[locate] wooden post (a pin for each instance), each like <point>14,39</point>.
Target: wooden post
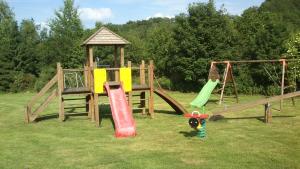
<point>151,85</point>
<point>122,56</point>
<point>224,81</point>
<point>27,112</point>
<point>130,93</point>
<point>116,64</point>
<point>96,102</point>
<point>142,73</point>
<point>283,61</point>
<point>92,100</point>
<point>268,113</point>
<point>142,82</point>
<point>234,84</point>
<point>91,56</point>
<point>59,92</point>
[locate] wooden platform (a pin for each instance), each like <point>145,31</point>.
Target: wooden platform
<point>140,87</point>
<point>79,90</point>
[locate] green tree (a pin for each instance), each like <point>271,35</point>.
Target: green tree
<point>66,36</point>
<point>27,58</point>
<point>293,52</point>
<point>160,44</point>
<point>289,10</point>
<point>8,45</point>
<point>261,36</point>
<point>202,35</point>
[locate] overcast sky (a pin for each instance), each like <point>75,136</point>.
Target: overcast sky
<point>117,11</point>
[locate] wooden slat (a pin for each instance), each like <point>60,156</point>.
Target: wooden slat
<point>241,107</point>
<point>43,105</point>
<point>257,61</point>
<point>43,91</point>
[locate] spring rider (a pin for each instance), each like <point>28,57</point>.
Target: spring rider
<point>197,121</point>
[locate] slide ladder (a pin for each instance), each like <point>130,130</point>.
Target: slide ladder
<point>121,112</point>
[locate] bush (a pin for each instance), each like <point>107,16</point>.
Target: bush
<point>165,83</point>
<point>22,82</point>
<point>46,75</point>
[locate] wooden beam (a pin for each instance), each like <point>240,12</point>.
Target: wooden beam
<point>59,92</point>
<point>116,57</point>
<point>129,93</point>
<point>151,85</point>
<point>116,64</point>
<point>283,62</point>
<point>43,105</point>
<point>244,106</point>
<point>96,103</point>
<point>256,61</point>
<point>142,73</point>
<point>43,91</point>
<point>234,84</point>
<point>122,56</point>
<point>91,56</point>
<point>268,113</point>
<point>224,82</point>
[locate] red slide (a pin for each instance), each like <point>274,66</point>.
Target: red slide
<point>121,112</point>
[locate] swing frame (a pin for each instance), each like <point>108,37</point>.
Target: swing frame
<point>228,75</point>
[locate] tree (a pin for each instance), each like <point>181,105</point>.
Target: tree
<point>289,10</point>
<point>160,44</point>
<point>8,44</point>
<point>201,35</point>
<point>66,36</point>
<point>261,36</point>
<point>27,58</point>
<point>293,52</point>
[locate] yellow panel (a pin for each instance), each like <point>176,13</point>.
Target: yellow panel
<point>125,78</point>
<point>99,80</point>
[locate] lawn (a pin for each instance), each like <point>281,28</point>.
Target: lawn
<point>240,140</point>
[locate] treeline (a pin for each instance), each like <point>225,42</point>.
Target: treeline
<point>181,47</point>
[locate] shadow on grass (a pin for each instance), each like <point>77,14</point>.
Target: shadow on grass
<point>192,133</point>
<point>260,118</point>
<point>167,112</point>
<point>213,101</point>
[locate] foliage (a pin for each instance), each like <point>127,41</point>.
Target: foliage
<point>27,59</point>
<point>287,9</point>
<point>22,82</point>
<point>45,75</point>
<point>8,45</point>
<point>181,47</point>
<point>293,52</point>
<point>66,36</point>
<point>203,34</point>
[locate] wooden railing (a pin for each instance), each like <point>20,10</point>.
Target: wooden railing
<point>31,115</point>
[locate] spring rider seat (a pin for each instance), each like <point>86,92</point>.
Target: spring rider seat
<point>197,121</point>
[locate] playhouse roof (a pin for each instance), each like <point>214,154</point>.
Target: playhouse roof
<point>105,36</point>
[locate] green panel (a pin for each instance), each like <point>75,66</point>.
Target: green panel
<point>204,94</point>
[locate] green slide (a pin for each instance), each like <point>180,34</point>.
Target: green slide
<point>204,94</point>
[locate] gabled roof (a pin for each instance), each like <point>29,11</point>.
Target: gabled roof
<point>105,36</point>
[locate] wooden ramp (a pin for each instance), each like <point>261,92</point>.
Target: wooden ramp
<point>265,101</point>
<point>173,103</point>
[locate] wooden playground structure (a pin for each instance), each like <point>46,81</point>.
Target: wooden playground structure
<point>83,82</point>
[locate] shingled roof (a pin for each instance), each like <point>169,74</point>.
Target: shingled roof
<point>105,36</point>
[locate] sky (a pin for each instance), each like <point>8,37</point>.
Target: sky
<point>117,11</point>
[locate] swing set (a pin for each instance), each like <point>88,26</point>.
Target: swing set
<point>229,78</point>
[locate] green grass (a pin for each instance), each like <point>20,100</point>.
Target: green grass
<point>240,140</point>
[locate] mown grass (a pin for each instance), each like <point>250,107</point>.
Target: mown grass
<point>241,140</point>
